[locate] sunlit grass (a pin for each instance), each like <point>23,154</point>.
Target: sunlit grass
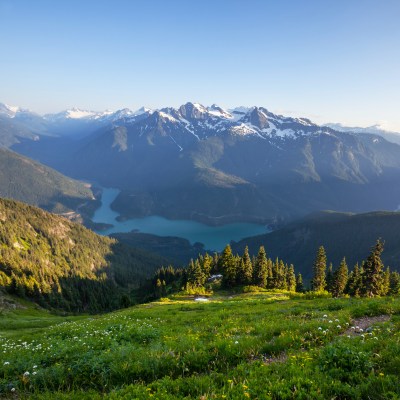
<point>255,345</point>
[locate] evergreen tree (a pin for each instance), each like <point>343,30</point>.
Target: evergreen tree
<point>385,285</point>
<point>195,275</point>
<point>394,287</point>
<point>354,282</point>
<point>299,283</point>
<point>340,278</point>
<point>228,267</point>
<point>245,274</point>
<point>373,271</point>
<point>319,269</point>
<point>281,281</point>
<point>329,278</point>
<point>275,275</point>
<point>269,273</point>
<point>215,264</point>
<point>261,268</point>
<point>291,279</point>
<point>206,265</point>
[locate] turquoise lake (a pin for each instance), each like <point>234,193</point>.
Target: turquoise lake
<point>213,237</point>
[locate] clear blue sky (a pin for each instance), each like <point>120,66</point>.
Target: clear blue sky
<point>330,60</point>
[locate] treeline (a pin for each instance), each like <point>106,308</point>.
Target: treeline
<point>63,265</point>
<point>232,270</point>
<point>370,278</point>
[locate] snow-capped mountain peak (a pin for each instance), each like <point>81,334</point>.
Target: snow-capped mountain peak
<point>143,110</point>
<point>219,112</point>
<point>190,118</point>
<point>9,111</point>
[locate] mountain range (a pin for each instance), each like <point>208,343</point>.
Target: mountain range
<point>215,165</point>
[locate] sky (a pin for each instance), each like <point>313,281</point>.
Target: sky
<point>328,60</point>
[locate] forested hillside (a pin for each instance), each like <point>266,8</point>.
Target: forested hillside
<point>26,180</point>
<point>62,264</point>
<point>342,234</point>
<point>177,250</point>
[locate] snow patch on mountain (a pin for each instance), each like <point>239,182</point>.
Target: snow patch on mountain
<point>8,111</point>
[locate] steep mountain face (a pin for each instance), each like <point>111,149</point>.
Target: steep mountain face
<point>217,166</point>
<point>342,234</point>
<point>26,180</point>
<point>63,265</point>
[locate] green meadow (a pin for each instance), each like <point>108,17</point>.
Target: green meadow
<point>266,345</point>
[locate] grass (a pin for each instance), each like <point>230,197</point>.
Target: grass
<point>255,345</point>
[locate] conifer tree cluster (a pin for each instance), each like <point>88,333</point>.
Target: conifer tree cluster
<point>235,270</point>
<point>369,279</point>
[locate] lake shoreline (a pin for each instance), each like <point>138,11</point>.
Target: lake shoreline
<point>214,237</point>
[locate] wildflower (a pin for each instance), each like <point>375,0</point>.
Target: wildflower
<point>339,327</point>
<point>236,342</point>
<point>330,321</point>
<point>348,336</point>
<point>336,320</point>
<point>361,330</point>
<point>34,373</point>
<point>34,367</point>
<point>319,328</point>
<point>381,374</point>
<point>13,389</point>
<point>26,373</point>
<point>7,363</point>
<point>353,328</point>
<point>375,338</point>
<point>325,316</point>
<point>246,394</point>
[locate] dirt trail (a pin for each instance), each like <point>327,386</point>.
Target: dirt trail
<point>359,325</point>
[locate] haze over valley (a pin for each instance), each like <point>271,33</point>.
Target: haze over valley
<point>213,165</point>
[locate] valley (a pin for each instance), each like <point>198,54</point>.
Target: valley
<point>218,166</point>
<point>199,200</point>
